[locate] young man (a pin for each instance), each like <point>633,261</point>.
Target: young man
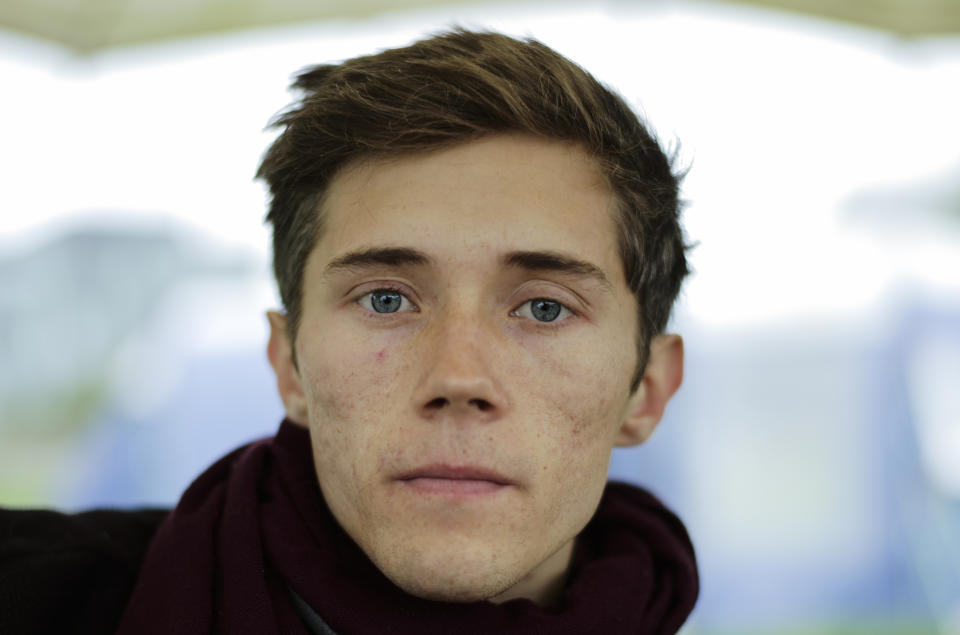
<point>477,247</point>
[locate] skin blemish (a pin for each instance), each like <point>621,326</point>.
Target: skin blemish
<point>381,355</point>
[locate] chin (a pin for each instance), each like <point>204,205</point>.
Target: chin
<point>455,582</point>
<point>452,592</point>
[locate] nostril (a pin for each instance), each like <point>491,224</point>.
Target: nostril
<point>481,404</point>
<point>437,404</point>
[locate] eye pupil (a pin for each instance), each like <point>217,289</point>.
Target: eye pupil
<point>545,310</point>
<point>385,301</point>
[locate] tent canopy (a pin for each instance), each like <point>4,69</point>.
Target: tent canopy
<point>91,25</point>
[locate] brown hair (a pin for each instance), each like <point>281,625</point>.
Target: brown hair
<point>451,88</point>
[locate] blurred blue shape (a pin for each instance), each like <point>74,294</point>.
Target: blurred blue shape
<point>221,402</point>
<point>792,453</point>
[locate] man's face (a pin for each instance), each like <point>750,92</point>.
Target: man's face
<point>465,354</point>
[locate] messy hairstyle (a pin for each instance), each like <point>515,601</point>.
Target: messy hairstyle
<point>452,88</point>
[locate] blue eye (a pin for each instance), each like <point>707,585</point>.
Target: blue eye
<point>386,301</point>
<point>543,310</point>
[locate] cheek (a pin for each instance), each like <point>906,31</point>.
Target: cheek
<point>575,445</point>
<point>579,401</point>
<point>349,383</point>
<point>586,385</point>
<point>346,376</point>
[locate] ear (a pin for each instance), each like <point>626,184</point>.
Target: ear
<point>662,377</point>
<point>280,354</point>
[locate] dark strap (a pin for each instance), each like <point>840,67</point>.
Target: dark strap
<point>313,621</point>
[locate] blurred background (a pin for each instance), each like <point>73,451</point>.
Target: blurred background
<point>814,450</point>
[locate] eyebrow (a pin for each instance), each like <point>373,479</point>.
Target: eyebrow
<point>528,260</point>
<point>377,257</point>
<point>556,262</point>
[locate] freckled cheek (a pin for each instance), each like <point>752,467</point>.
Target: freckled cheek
<point>590,420</point>
<point>351,395</point>
<point>347,385</point>
<point>346,377</point>
<point>586,386</point>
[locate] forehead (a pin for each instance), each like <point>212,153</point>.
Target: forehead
<point>476,200</point>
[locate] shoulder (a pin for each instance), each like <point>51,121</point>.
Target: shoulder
<point>70,572</point>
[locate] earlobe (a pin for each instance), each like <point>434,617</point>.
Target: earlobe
<point>661,379</point>
<point>280,354</point>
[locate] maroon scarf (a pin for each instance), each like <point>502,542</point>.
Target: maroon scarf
<point>253,532</point>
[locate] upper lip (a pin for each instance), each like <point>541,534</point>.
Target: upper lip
<point>454,472</point>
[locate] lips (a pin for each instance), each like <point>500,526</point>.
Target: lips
<point>454,480</point>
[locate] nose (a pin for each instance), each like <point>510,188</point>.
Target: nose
<point>459,379</point>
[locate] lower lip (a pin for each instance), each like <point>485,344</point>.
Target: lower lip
<point>453,487</point>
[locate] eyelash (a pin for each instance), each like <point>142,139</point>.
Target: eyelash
<point>401,292</point>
